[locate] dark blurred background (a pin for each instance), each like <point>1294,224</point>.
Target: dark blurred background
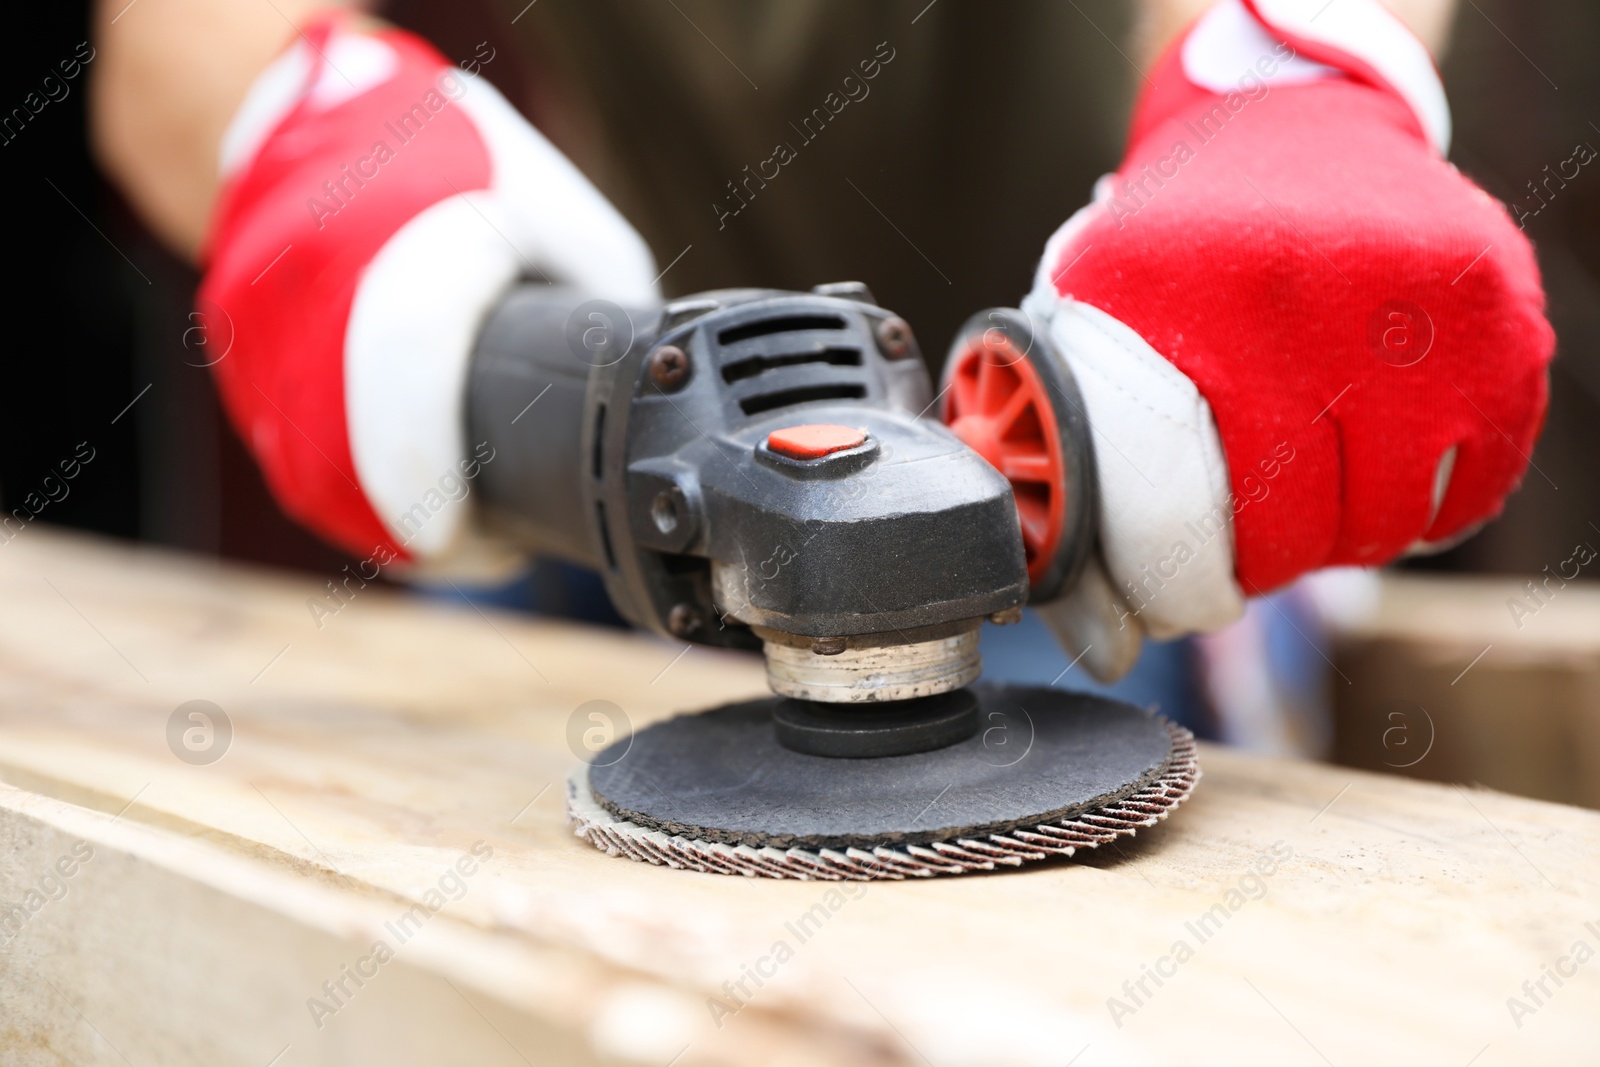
<point>97,312</point>
<point>1526,93</point>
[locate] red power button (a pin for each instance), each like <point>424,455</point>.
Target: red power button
<point>814,441</point>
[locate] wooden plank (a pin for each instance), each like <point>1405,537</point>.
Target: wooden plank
<point>1476,679</point>
<point>1397,919</point>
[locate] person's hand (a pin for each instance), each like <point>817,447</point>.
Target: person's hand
<point>1302,337</point>
<point>377,202</point>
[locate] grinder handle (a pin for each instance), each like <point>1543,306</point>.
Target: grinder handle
<point>527,395</point>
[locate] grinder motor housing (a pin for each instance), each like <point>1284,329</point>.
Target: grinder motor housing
<point>636,442</point>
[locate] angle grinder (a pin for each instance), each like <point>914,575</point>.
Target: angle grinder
<point>766,470</point>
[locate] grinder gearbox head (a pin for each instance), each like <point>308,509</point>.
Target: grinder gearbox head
<point>754,469</point>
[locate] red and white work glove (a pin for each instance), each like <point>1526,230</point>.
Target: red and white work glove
<point>377,201</point>
<point>1302,337</point>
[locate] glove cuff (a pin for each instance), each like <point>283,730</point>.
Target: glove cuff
<point>1366,41</point>
<point>1240,48</point>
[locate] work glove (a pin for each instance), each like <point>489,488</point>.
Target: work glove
<point>377,202</point>
<point>1301,337</point>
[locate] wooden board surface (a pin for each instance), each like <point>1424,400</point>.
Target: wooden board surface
<point>1480,679</point>
<point>1353,918</point>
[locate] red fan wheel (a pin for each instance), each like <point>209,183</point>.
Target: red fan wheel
<point>998,405</point>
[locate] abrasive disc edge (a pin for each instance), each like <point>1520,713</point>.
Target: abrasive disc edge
<point>1116,817</point>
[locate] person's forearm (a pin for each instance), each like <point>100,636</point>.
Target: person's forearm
<point>1162,20</point>
<point>170,76</point>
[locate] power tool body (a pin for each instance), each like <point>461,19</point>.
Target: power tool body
<point>768,470</point>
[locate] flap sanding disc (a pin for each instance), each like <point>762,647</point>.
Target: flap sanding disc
<point>1048,771</point>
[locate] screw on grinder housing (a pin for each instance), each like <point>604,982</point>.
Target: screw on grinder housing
<point>661,451</point>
